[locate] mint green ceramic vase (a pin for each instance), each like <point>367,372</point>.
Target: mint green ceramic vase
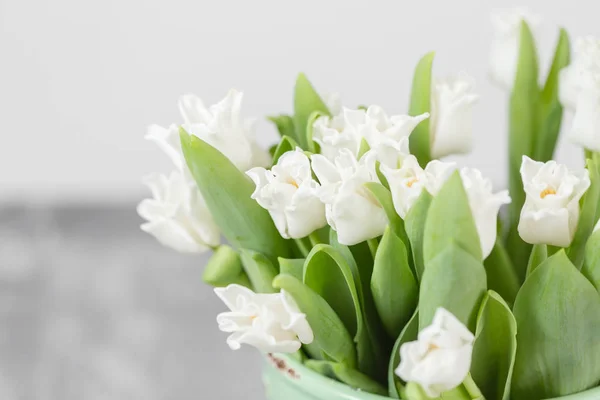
<point>288,379</point>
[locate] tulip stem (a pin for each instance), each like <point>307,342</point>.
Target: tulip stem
<point>314,239</point>
<point>472,388</point>
<point>303,246</point>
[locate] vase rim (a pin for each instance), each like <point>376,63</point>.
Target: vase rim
<point>292,369</point>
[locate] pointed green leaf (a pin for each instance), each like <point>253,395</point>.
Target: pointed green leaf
<point>591,268</point>
<point>328,274</point>
<point>347,375</point>
<point>364,147</point>
<point>375,349</point>
<point>450,220</point>
<point>306,101</point>
<point>393,284</point>
<point>501,274</point>
<point>539,254</point>
<point>259,269</point>
<point>453,280</point>
<point>420,102</point>
<point>284,124</point>
<point>311,145</point>
<point>551,109</point>
<point>523,125</point>
<point>292,266</point>
<point>384,198</point>
<point>495,347</point>
<point>558,318</point>
<point>331,336</point>
<point>408,334</point>
<point>286,144</point>
<point>227,191</point>
<point>225,268</point>
<point>587,216</point>
<point>414,224</point>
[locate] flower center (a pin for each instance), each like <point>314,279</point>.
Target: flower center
<point>546,192</point>
<point>412,181</point>
<point>293,182</point>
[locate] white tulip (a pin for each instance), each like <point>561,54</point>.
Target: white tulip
<point>505,47</point>
<point>451,129</point>
<point>581,73</point>
<point>484,205</point>
<point>289,193</point>
<point>222,126</point>
<point>551,211</point>
<point>350,208</point>
<point>409,180</point>
<point>270,322</point>
<point>177,215</point>
<point>347,129</point>
<point>585,130</point>
<point>440,359</point>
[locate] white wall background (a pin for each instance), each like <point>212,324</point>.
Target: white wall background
<point>81,80</point>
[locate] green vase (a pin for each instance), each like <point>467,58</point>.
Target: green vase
<point>287,379</point>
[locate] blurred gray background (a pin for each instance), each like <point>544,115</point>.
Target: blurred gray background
<point>90,307</point>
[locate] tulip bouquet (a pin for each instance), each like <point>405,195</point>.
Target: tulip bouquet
<point>354,249</point>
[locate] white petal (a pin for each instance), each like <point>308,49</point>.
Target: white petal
<point>193,111</point>
<point>167,139</point>
<point>171,234</point>
<point>325,170</point>
<point>297,320</point>
<point>177,215</point>
<point>545,227</point>
<point>452,117</point>
<point>586,122</point>
<point>583,73</point>
<point>484,205</point>
<point>505,47</point>
<point>358,216</point>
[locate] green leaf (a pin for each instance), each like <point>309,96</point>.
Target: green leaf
<point>259,269</point>
<point>306,101</point>
<point>453,280</point>
<point>587,216</point>
<point>331,336</point>
<point>311,145</point>
<point>224,268</point>
<point>292,266</point>
<point>450,220</point>
<point>364,147</point>
<point>420,102</point>
<point>501,275</point>
<point>558,315</point>
<point>539,254</point>
<point>227,191</point>
<point>551,108</point>
<point>375,349</point>
<point>286,144</point>
<point>347,375</point>
<point>328,274</point>
<point>414,224</point>
<point>384,198</point>
<point>495,347</point>
<point>523,124</point>
<point>591,268</point>
<point>393,284</point>
<point>284,124</point>
<point>408,334</point>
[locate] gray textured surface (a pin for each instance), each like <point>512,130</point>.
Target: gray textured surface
<point>91,308</point>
